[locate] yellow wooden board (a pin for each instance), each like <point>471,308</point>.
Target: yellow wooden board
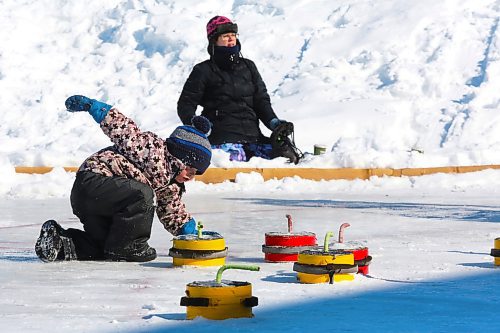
<point>219,175</point>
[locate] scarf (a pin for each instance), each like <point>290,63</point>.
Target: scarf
<point>226,57</point>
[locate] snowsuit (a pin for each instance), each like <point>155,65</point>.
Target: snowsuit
<point>233,100</point>
<point>116,191</point>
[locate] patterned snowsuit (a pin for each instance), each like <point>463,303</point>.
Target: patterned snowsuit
<point>117,188</point>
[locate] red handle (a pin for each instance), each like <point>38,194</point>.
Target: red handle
<point>341,231</point>
<point>290,227</point>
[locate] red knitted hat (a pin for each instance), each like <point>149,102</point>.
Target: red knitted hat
<point>220,25</point>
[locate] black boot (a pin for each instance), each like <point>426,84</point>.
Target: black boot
<point>147,254</point>
<point>53,244</point>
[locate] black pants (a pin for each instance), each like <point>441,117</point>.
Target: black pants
<point>116,213</point>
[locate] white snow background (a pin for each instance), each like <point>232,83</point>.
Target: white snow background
<point>382,83</point>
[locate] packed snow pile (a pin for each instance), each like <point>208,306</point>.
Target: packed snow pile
<point>381,84</point>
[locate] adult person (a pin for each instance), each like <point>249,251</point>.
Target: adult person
<point>233,96</point>
<point>117,189</point>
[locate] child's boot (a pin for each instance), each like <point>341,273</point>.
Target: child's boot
<point>53,244</point>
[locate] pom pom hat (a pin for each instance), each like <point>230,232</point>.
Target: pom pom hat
<point>190,144</point>
<point>219,25</point>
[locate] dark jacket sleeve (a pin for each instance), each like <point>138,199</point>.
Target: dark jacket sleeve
<point>191,95</point>
<point>261,99</point>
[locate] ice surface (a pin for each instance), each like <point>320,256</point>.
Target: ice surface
<point>430,253</point>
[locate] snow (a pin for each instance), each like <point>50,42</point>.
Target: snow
<point>381,83</point>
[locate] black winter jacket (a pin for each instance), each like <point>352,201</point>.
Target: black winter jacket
<point>233,100</point>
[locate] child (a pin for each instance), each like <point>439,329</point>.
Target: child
<point>117,189</point>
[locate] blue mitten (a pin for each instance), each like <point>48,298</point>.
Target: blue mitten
<point>98,110</point>
<point>189,228</point>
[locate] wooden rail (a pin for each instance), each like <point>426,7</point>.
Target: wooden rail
<point>219,175</point>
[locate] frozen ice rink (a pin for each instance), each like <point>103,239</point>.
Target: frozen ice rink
<point>431,268</point>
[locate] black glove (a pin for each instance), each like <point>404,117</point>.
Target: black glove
<point>275,122</point>
<point>283,143</point>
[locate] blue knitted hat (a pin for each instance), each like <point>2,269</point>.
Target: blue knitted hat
<point>190,144</point>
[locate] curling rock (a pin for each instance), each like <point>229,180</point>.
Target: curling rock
<point>495,252</point>
<point>213,300</point>
<point>282,247</point>
<point>208,250</point>
<point>319,266</point>
<point>359,250</point>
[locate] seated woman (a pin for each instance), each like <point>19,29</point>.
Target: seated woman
<point>233,96</point>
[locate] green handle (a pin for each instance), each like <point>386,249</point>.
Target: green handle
<point>327,240</point>
<point>218,278</point>
<point>200,229</point>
